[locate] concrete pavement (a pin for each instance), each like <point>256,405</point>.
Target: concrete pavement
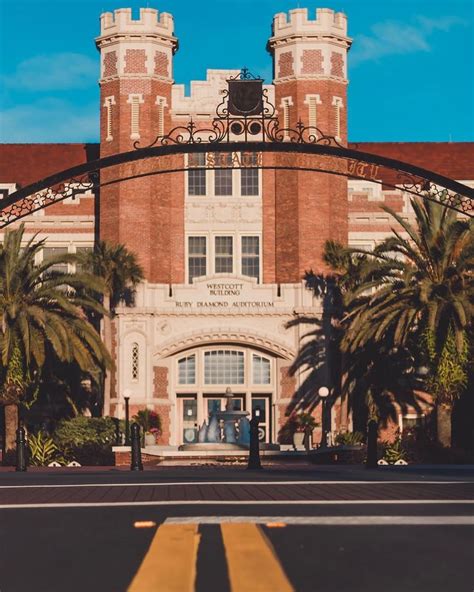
<point>333,529</point>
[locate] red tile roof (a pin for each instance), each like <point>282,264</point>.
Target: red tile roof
<point>27,163</point>
<point>451,159</point>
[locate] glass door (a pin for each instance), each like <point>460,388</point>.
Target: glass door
<point>189,427</point>
<point>262,403</point>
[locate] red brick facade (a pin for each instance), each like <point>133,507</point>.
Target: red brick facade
<point>312,61</point>
<point>160,391</point>
<point>135,61</point>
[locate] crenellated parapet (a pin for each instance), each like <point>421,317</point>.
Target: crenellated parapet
<point>205,95</point>
<point>327,22</point>
<point>305,48</point>
<point>142,47</point>
<point>150,22</point>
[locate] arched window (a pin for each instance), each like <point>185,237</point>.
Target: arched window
<point>224,367</point>
<point>187,370</point>
<point>260,370</point>
<point>135,362</point>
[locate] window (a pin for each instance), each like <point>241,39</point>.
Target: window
<point>251,256</point>
<point>224,254</point>
<point>51,252</point>
<point>196,257</point>
<point>196,178</point>
<point>224,367</point>
<point>249,177</point>
<point>82,251</point>
<point>135,362</point>
<point>223,177</point>
<point>261,370</point>
<point>187,370</point>
<point>134,101</point>
<point>109,101</point>
<point>161,104</point>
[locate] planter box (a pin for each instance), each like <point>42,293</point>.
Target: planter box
<point>341,455</point>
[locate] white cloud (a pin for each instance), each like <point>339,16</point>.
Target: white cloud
<point>59,71</point>
<point>50,120</point>
<point>393,37</point>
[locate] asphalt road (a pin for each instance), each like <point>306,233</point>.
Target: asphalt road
<point>331,534</point>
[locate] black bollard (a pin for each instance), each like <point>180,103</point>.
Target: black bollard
<point>127,421</point>
<point>136,457</point>
<point>372,430</point>
<point>254,452</point>
<point>20,450</point>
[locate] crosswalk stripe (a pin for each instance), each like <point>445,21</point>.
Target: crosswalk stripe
<point>251,560</point>
<point>407,520</point>
<point>170,563</point>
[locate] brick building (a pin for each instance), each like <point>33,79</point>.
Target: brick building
<point>223,251</point>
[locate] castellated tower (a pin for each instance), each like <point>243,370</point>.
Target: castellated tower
<point>135,82</point>
<point>310,78</point>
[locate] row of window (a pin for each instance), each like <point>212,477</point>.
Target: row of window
<point>224,182</point>
<point>49,253</point>
<point>224,367</point>
<point>223,255</point>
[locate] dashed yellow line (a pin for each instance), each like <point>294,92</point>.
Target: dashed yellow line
<point>170,563</point>
<point>251,560</point>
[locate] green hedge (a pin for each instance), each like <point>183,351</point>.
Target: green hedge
<point>88,440</point>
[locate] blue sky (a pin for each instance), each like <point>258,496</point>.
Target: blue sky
<point>411,67</point>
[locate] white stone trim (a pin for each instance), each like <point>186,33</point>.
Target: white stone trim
<point>134,100</point>
<point>286,103</point>
<point>338,103</point>
<point>161,103</point>
<point>108,102</point>
<point>313,101</point>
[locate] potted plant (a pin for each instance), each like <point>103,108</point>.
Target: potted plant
<point>150,422</point>
<point>303,424</point>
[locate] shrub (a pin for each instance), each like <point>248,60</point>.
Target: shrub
<point>43,450</point>
<point>349,438</point>
<point>394,451</point>
<point>88,440</point>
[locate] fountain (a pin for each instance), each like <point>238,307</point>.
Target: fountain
<point>227,430</point>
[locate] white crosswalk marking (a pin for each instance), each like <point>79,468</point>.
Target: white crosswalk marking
<point>329,520</point>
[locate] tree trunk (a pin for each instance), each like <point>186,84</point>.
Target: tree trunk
<point>344,405</point>
<point>11,426</point>
<point>443,424</point>
<point>107,327</point>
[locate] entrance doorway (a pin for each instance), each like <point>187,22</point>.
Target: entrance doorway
<point>188,416</point>
<point>262,402</point>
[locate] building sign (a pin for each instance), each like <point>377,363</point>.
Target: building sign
<point>362,170</point>
<point>236,160</point>
<point>227,294</point>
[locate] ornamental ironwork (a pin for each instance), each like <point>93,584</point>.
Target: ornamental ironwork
<point>245,113</point>
<point>245,122</point>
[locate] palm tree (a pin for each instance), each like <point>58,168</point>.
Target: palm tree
<point>121,273</point>
<point>43,313</point>
<point>320,359</point>
<point>421,287</point>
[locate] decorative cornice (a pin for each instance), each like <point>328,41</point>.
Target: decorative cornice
<point>224,335</point>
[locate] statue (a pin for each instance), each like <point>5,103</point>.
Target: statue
<point>213,430</point>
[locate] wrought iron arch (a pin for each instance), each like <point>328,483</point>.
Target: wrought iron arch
<point>245,122</point>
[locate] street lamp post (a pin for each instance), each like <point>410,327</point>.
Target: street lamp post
<point>323,393</point>
<point>254,451</point>
<point>126,398</point>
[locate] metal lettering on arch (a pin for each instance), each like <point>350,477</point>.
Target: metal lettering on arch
<point>245,124</point>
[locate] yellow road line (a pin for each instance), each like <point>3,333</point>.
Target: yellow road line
<point>170,563</point>
<point>252,563</point>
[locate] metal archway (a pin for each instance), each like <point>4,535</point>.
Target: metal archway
<point>245,122</point>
